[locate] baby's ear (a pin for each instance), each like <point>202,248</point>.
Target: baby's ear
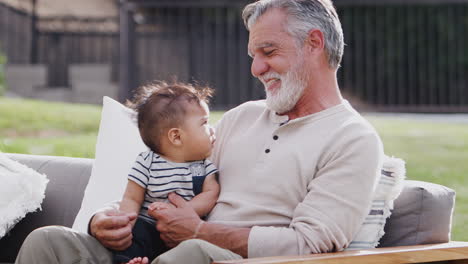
<point>174,136</point>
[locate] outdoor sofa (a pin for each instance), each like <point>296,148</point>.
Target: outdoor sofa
<point>418,230</point>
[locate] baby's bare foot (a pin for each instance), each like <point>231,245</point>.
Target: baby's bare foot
<point>139,260</point>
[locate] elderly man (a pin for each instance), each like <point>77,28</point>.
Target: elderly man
<point>297,170</point>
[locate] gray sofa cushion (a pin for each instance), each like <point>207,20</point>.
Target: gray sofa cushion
<point>422,215</point>
<point>68,178</point>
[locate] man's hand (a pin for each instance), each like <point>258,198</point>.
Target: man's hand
<point>176,224</point>
<point>113,228</point>
<point>160,206</point>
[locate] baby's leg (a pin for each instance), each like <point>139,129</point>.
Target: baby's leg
<point>146,244</point>
<point>141,246</point>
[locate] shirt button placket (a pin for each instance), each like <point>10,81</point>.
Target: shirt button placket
<point>275,137</point>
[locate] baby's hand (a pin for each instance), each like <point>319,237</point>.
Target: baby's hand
<point>160,206</point>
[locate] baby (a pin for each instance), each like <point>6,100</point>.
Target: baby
<point>173,123</point>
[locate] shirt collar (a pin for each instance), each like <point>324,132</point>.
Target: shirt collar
<point>283,119</point>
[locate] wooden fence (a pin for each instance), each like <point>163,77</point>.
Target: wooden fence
<point>58,50</point>
<point>55,48</point>
<point>15,34</point>
<point>398,57</point>
<point>407,57</point>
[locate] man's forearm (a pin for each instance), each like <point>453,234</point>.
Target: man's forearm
<point>232,238</point>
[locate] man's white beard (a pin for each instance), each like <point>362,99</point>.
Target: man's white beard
<point>292,87</point>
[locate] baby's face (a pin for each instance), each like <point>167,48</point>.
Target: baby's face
<point>199,135</point>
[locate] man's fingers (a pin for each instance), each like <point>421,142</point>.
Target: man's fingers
<point>119,244</point>
<point>113,228</point>
<point>116,234</point>
<point>118,239</point>
<point>166,239</point>
<point>162,228</point>
<point>152,206</point>
<point>156,213</point>
<point>117,221</point>
<point>132,216</point>
<point>114,212</point>
<point>157,206</point>
<point>177,200</point>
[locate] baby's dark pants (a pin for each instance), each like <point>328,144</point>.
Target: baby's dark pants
<point>146,243</point>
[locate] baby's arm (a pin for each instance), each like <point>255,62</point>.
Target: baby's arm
<point>132,199</point>
<point>206,200</point>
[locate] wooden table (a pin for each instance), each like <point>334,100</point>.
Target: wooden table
<point>453,252</point>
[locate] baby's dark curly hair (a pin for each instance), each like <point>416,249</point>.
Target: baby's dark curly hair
<point>161,106</point>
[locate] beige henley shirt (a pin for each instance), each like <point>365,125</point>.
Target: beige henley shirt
<point>304,186</point>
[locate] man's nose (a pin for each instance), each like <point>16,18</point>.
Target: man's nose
<point>259,66</point>
<point>212,131</point>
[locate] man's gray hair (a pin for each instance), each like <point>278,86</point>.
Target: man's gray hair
<point>303,16</point>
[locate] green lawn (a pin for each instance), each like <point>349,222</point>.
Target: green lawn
<point>433,152</point>
<point>36,127</point>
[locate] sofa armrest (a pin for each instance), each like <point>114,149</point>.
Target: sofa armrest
<point>453,252</point>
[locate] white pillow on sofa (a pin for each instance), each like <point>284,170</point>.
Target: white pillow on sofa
<point>388,189</point>
<point>118,144</point>
<point>22,191</point>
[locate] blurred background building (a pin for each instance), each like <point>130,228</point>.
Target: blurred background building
<point>401,55</point>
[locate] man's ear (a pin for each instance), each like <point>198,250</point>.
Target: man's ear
<point>174,136</point>
<point>315,40</point>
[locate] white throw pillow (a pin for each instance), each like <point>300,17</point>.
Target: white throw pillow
<point>388,189</point>
<point>22,191</point>
<point>118,144</point>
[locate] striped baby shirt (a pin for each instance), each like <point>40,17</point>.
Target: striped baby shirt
<point>160,177</point>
